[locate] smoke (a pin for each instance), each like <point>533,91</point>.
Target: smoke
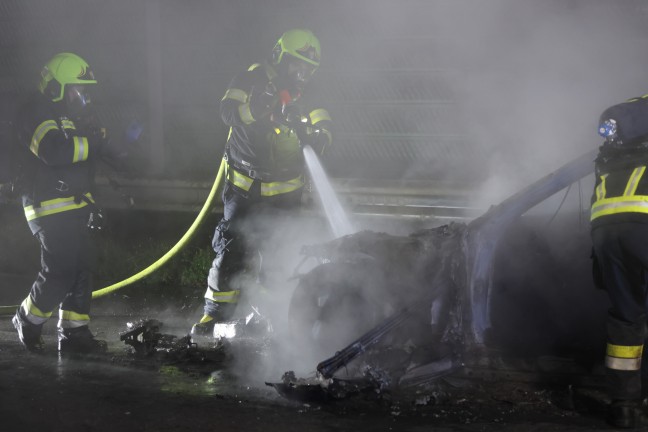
<point>276,238</point>
<point>530,79</point>
<point>536,75</point>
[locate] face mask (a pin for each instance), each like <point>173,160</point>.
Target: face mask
<point>300,72</point>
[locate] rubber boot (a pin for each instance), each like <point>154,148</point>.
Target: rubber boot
<point>627,414</point>
<point>28,333</point>
<point>213,313</point>
<point>205,327</point>
<point>79,340</point>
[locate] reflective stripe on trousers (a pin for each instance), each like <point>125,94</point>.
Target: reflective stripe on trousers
<point>623,358</point>
<point>70,319</point>
<point>222,296</point>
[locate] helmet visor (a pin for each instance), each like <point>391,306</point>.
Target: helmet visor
<point>310,55</point>
<point>77,98</point>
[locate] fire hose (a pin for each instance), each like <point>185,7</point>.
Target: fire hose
<point>10,310</point>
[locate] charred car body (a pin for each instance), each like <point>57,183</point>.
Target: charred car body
<point>415,308</point>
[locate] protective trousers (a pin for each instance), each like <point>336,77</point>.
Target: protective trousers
<point>623,259</point>
<point>238,240</point>
<point>68,259</point>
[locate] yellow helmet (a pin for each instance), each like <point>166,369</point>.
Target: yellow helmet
<point>299,43</point>
<point>64,69</point>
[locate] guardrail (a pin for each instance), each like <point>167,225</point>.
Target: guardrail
<point>403,198</point>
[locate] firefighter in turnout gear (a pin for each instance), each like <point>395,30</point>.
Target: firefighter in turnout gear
<point>619,222</point>
<point>63,140</point>
<point>265,110</point>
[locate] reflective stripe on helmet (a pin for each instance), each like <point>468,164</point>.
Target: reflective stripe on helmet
<point>54,206</point>
<point>638,98</point>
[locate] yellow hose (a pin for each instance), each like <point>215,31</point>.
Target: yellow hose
<point>10,310</point>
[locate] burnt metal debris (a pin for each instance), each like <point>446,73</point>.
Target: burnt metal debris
<point>319,389</point>
<point>146,340</point>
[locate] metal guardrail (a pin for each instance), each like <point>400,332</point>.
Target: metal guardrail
<point>413,199</point>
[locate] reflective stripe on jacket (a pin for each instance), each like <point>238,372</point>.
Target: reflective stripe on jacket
<point>244,182</point>
<point>623,191</point>
<point>57,205</point>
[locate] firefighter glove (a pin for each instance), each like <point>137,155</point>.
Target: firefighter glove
<point>263,100</point>
<point>291,113</point>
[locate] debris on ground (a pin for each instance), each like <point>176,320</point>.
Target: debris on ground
<point>146,340</point>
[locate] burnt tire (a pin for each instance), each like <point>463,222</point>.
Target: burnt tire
<point>334,304</point>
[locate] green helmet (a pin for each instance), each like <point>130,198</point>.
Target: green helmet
<point>61,70</point>
<point>299,43</point>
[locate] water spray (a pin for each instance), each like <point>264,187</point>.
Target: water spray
<point>337,217</point>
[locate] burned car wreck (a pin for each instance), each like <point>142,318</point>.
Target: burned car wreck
<point>384,311</point>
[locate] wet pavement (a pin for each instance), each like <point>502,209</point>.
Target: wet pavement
<point>226,391</point>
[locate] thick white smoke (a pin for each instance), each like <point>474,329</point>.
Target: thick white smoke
<point>536,76</point>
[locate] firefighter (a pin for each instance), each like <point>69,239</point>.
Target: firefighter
<point>619,222</point>
<point>265,110</point>
<point>63,141</point>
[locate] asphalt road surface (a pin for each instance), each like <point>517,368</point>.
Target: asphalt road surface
<point>120,392</point>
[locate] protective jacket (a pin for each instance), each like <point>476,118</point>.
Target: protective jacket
<point>621,192</point>
<point>58,179</point>
<point>263,148</point>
